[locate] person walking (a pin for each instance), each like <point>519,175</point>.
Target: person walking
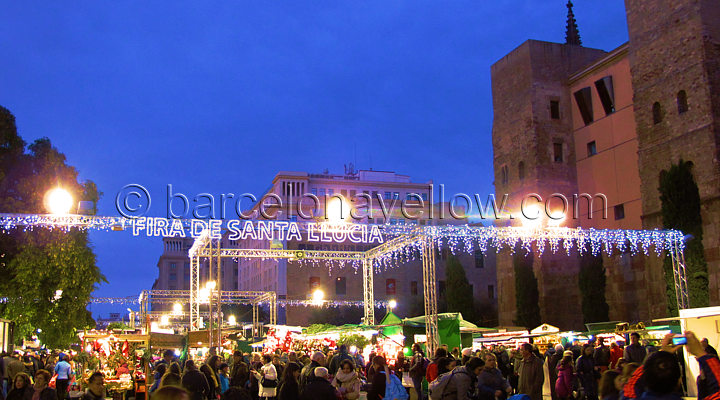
<point>290,384</point>
<point>491,380</point>
<point>552,362</point>
<point>223,372</point>
<point>21,388</point>
<point>319,387</point>
<point>586,372</point>
<point>194,382</point>
<point>635,352</point>
<point>346,381</point>
<point>463,380</point>
<point>210,371</point>
<point>240,372</point>
<point>565,376</point>
<point>64,373</point>
<point>418,369</point>
<point>267,378</point>
<point>530,373</point>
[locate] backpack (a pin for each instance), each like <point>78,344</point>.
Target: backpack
<point>437,387</point>
<point>394,390</point>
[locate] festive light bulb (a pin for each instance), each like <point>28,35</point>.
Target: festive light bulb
<point>232,321</point>
<point>210,285</point>
<point>392,304</point>
<point>177,308</point>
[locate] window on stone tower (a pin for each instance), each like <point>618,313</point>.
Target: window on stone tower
<point>619,211</point>
<point>591,149</point>
<point>504,175</point>
<point>682,103</point>
<point>554,109</point>
<point>558,152</point>
<point>657,113</point>
<point>606,93</point>
<point>521,170</point>
<point>583,98</point>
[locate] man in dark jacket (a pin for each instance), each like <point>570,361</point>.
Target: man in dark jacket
<point>317,360</point>
<point>491,381</point>
<point>240,373</point>
<point>338,358</point>
<point>195,382</point>
<point>635,352</point>
<point>318,387</point>
<point>463,380</point>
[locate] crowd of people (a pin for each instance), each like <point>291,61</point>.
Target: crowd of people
<point>592,371</point>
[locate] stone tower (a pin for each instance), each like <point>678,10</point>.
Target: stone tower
<point>675,65</point>
<point>534,153</point>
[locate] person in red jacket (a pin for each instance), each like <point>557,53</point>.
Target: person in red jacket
<point>432,369</point>
<point>616,353</point>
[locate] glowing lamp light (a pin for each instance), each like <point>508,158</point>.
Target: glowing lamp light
<point>318,295</point>
<point>164,320</point>
<point>177,353</point>
<point>531,217</point>
<point>58,201</point>
<point>392,304</point>
<point>177,308</point>
<point>210,285</point>
<point>232,321</point>
<point>204,295</point>
<point>337,210</point>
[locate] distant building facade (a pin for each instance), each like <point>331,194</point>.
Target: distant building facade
<point>572,120</point>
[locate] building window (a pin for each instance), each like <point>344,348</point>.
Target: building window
<point>521,170</point>
<point>606,93</point>
<point>619,211</point>
<point>314,283</point>
<point>321,191</point>
<point>331,192</point>
<point>682,102</point>
<point>424,196</point>
<point>591,149</point>
<point>479,259</point>
<point>313,191</point>
<point>173,276</point>
<point>344,193</point>
<point>173,266</point>
<point>491,292</point>
<point>504,175</point>
<point>410,196</point>
<point>583,98</point>
<point>353,193</point>
<point>657,113</point>
<point>374,194</point>
<point>388,195</point>
<point>340,287</point>
<point>413,288</point>
<point>396,195</point>
<point>558,152</point>
<point>390,287</point>
<point>554,109</point>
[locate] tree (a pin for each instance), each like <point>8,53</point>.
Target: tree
<point>680,199</point>
<point>592,288</point>
<point>527,296</point>
<point>48,275</point>
<point>459,297</point>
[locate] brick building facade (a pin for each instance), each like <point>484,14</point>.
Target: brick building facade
<point>587,122</point>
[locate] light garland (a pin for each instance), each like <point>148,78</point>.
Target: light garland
<point>281,303</point>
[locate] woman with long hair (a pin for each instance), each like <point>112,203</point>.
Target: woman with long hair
<point>21,387</point>
<point>267,378</point>
<point>290,388</point>
<point>347,381</point>
<point>585,368</point>
<point>210,371</point>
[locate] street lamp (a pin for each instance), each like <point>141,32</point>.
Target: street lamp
<point>232,321</point>
<point>177,309</point>
<point>210,285</point>
<point>392,304</point>
<point>58,201</point>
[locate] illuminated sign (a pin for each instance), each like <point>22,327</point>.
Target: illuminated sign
<point>273,231</point>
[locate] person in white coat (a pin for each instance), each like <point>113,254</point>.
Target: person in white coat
<point>267,378</point>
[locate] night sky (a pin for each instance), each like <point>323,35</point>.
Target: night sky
<point>218,96</point>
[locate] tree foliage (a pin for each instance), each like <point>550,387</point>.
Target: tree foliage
<point>592,288</point>
<point>459,293</point>
<point>680,210</point>
<point>527,296</point>
<point>36,263</point>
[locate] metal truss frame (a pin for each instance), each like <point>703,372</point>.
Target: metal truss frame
<point>254,298</point>
<point>679,277</point>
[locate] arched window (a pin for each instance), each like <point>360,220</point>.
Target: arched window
<point>682,103</point>
<point>657,113</point>
<point>521,170</point>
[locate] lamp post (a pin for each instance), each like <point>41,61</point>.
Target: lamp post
<point>58,201</point>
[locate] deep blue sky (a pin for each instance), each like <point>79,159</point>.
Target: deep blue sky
<point>218,96</point>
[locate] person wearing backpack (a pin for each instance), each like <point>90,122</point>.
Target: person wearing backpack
<point>432,368</point>
<point>458,384</point>
<point>377,386</point>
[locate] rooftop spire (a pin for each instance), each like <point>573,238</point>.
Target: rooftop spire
<point>572,35</point>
